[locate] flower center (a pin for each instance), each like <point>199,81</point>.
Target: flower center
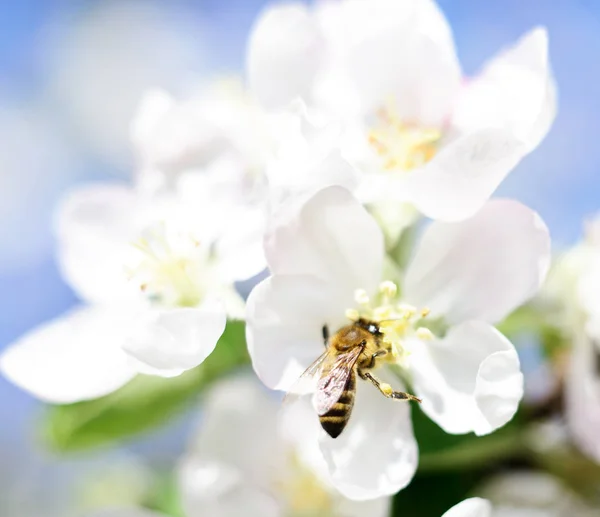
<point>170,268</point>
<point>398,321</point>
<point>303,493</point>
<point>402,146</point>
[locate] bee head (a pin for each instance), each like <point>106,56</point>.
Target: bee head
<point>369,326</point>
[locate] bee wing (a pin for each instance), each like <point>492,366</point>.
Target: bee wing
<point>331,386</point>
<point>307,382</point>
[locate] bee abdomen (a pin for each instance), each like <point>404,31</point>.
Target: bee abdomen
<point>335,420</point>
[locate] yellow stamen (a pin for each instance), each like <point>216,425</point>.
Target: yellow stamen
<point>424,334</point>
<point>361,297</point>
<point>352,314</point>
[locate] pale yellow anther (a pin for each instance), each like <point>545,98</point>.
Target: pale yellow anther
<point>425,312</point>
<point>382,313</point>
<point>424,333</point>
<point>386,388</point>
<point>361,297</point>
<point>388,289</point>
<point>352,314</point>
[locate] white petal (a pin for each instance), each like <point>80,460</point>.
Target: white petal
<point>284,54</point>
<point>167,342</point>
<point>463,174</point>
<point>308,157</point>
<point>400,50</point>
<point>284,322</point>
<point>331,237</point>
<point>242,436</point>
<point>95,225</point>
<point>380,507</point>
<point>218,490</point>
<point>474,507</point>
<point>481,268</point>
<point>582,392</point>
<point>75,357</point>
<point>153,107</point>
<point>240,248</point>
<point>515,91</point>
<point>470,380</point>
<point>376,455</point>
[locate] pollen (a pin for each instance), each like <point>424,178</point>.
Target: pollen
<point>424,333</point>
<point>400,145</point>
<point>401,323</point>
<point>388,289</point>
<point>386,388</point>
<point>168,267</point>
<point>352,314</point>
<point>361,297</point>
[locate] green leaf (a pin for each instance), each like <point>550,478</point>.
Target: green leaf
<point>144,403</point>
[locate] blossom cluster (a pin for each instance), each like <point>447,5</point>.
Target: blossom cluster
<point>347,179</point>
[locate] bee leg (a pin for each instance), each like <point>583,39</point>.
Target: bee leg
<point>377,354</point>
<point>386,389</point>
<point>325,331</point>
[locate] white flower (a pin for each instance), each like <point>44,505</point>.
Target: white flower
<point>474,507</point>
<point>532,494</point>
<point>414,126</point>
<point>212,150</point>
<point>327,265</point>
<point>220,123</point>
<point>582,392</point>
<point>157,282</point>
<point>572,294</point>
<point>248,459</point>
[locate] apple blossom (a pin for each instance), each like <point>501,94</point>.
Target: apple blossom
<point>474,507</point>
<point>417,130</point>
<point>158,286</point>
<point>327,264</point>
<point>572,299</point>
<point>524,493</point>
<point>247,459</point>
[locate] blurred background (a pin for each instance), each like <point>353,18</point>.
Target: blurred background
<point>71,73</point>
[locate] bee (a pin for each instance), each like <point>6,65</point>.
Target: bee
<point>355,349</point>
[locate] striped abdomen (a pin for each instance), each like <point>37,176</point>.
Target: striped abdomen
<point>335,420</point>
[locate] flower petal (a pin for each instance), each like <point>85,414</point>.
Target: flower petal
<point>515,91</point>
<point>377,454</point>
<point>285,318</point>
<point>284,54</point>
<point>380,507</point>
<point>481,268</point>
<point>95,225</point>
<point>582,391</point>
<point>404,51</point>
<point>218,490</point>
<point>75,357</point>
<point>240,247</point>
<point>168,342</point>
<point>331,237</point>
<point>470,381</point>
<point>242,436</point>
<point>474,507</point>
<point>463,174</point>
<point>308,157</point>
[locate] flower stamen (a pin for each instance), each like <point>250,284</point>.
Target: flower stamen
<point>402,146</point>
<point>397,320</point>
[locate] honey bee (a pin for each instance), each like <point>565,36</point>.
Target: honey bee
<point>354,350</point>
